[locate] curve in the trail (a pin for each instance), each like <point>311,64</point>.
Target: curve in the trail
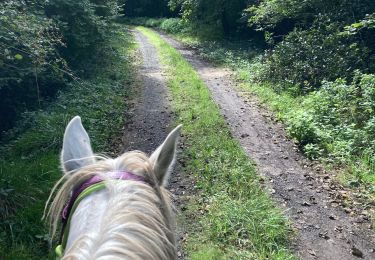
<point>304,190</point>
<point>150,118</point>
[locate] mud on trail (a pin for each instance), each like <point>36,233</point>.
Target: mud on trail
<point>311,199</point>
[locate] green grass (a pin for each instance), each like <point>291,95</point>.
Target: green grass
<point>230,216</point>
<point>29,160</point>
<point>319,141</point>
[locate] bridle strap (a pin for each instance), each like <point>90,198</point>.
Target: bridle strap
<point>115,175</point>
<point>94,184</point>
<point>88,191</point>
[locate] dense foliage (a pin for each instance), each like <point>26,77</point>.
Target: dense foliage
<point>40,40</point>
<point>212,18</point>
<point>30,66</point>
<point>85,27</point>
<point>316,40</point>
<point>339,119</point>
<point>308,41</point>
<point>149,8</point>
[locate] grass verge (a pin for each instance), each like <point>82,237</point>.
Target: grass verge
<point>323,137</point>
<point>230,216</point>
<point>29,161</point>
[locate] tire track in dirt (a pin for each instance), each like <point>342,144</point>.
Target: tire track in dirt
<point>310,198</point>
<point>150,117</point>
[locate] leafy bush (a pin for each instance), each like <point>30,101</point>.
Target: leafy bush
<point>271,15</point>
<point>31,68</point>
<point>303,128</point>
<point>307,57</point>
<point>308,43</point>
<point>174,25</point>
<point>338,120</point>
<point>348,110</point>
<point>85,26</point>
<point>40,40</point>
<point>211,18</point>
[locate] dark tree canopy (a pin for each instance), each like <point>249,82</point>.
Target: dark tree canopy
<point>147,8</point>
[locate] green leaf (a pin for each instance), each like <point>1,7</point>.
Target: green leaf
<point>18,56</point>
<point>357,25</point>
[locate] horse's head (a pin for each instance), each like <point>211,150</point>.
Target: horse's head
<point>113,207</point>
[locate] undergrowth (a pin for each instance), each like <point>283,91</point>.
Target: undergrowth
<point>232,218</point>
<point>29,157</point>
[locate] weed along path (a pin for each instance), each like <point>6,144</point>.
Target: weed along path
<point>311,200</point>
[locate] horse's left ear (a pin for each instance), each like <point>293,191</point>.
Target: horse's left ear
<point>163,157</point>
<point>76,152</point>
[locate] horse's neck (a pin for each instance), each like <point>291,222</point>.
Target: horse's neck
<point>88,216</point>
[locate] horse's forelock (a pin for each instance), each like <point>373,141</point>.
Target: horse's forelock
<point>135,162</point>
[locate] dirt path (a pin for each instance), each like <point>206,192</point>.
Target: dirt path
<point>310,198</point>
<point>150,117</point>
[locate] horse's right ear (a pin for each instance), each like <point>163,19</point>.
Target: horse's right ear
<point>163,157</point>
<point>76,152</point>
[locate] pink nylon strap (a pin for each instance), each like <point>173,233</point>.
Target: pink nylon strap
<point>115,175</point>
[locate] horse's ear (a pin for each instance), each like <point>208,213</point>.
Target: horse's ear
<point>163,157</point>
<point>76,151</point>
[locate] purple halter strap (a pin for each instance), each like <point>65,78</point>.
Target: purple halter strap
<point>115,175</point>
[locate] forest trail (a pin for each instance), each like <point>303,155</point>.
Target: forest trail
<point>306,192</point>
<point>150,118</point>
<point>310,198</point>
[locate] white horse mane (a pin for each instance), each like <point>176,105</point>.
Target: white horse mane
<point>138,222</point>
<point>129,219</point>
